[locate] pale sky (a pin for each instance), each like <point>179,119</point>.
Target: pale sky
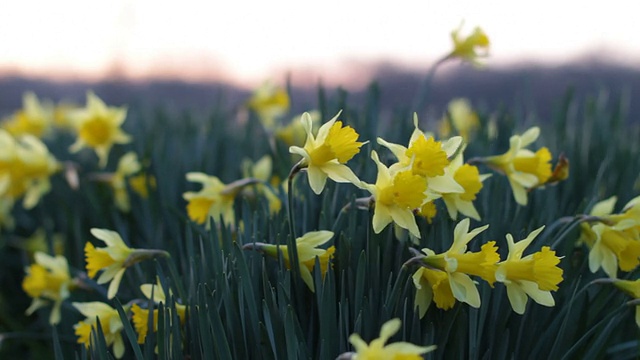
<point>249,41</point>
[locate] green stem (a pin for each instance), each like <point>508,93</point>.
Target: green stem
<point>423,91</point>
<point>292,249</point>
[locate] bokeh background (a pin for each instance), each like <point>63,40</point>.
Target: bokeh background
<point>186,54</point>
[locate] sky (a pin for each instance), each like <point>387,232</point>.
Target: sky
<point>250,41</point>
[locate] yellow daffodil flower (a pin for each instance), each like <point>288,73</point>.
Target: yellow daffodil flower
<point>524,168</point>
<point>270,102</point>
<point>294,133</point>
<point>432,285</point>
<point>98,127</point>
<point>378,350</point>
<point>48,280</point>
<point>469,48</point>
<point>471,180</point>
<point>110,323</point>
<point>631,288</point>
<point>307,248</point>
<point>141,316</point>
<point>127,166</point>
<point>462,117</point>
<point>533,276</point>
<point>25,168</point>
<point>325,155</point>
<point>114,259</point>
<point>428,158</point>
<point>214,200</point>
<point>34,118</point>
<point>614,240</point>
<point>459,264</point>
<point>396,195</point>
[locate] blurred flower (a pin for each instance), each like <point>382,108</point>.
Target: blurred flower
<point>325,155</point>
<point>262,170</point>
<point>294,134</point>
<point>25,168</point>
<point>214,200</point>
<point>98,127</point>
<point>377,349</point>
<point>270,102</point>
<point>34,119</point>
<point>396,195</point>
<point>38,242</point>
<point>534,275</point>
<point>471,180</point>
<point>110,323</point>
<point>141,316</point>
<point>524,168</point>
<point>128,166</point>
<point>459,264</point>
<point>469,48</point>
<point>307,248</point>
<point>61,115</point>
<point>631,288</point>
<point>114,259</point>
<point>47,280</point>
<point>462,117</point>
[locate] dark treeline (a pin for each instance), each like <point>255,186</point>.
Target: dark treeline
<point>537,90</point>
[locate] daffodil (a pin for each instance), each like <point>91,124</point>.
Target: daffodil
<point>25,168</point>
<point>294,134</point>
<point>524,168</point>
<point>432,285</point>
<point>470,179</point>
<point>33,119</point>
<point>140,316</point>
<point>631,288</point>
<point>98,127</point>
<point>613,239</point>
<point>270,102</point>
<point>378,350</point>
<point>533,276</point>
<point>396,195</point>
<point>48,280</point>
<point>325,155</point>
<point>462,117</point>
<point>114,259</point>
<point>471,47</point>
<point>459,264</point>
<point>307,249</point>
<point>127,166</point>
<point>110,323</point>
<point>427,158</point>
<point>214,200</point>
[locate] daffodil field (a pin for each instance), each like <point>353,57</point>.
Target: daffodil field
<point>338,233</point>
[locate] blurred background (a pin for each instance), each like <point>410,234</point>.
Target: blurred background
<point>192,53</point>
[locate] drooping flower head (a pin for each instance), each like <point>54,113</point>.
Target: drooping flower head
<point>214,200</point>
<point>47,280</point>
<point>461,118</point>
<point>524,168</point>
<point>98,127</point>
<point>325,155</point>
<point>114,259</point>
<point>262,170</point>
<point>378,350</point>
<point>110,323</point>
<point>307,249</point>
<point>533,276</point>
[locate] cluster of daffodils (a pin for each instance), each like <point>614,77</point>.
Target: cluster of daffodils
<point>613,240</point>
<point>446,277</point>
